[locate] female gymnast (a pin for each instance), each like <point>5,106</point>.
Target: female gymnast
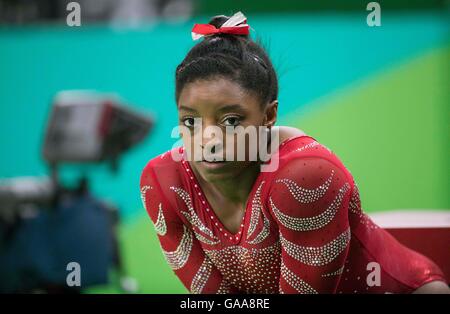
<point>228,227</point>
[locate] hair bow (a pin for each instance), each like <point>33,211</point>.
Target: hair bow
<point>236,25</point>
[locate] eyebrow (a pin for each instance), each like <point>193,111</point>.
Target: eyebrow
<point>187,108</point>
<point>223,108</point>
<point>231,108</point>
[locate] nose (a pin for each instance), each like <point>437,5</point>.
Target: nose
<point>212,147</point>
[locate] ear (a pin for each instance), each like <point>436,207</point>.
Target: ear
<point>270,114</point>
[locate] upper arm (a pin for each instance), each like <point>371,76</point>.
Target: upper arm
<point>309,199</point>
<point>181,249</point>
<point>170,229</point>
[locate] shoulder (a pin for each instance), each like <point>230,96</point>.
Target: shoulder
<point>305,156</point>
<point>310,190</point>
<point>309,174</point>
<point>286,132</point>
<point>162,169</point>
<point>159,175</point>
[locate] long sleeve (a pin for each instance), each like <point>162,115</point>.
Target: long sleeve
<point>180,247</point>
<point>309,199</point>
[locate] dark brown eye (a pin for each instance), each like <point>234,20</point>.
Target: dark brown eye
<point>231,121</point>
<point>189,122</point>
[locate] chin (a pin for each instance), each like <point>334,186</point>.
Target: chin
<point>224,171</point>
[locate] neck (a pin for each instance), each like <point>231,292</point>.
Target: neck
<point>235,189</point>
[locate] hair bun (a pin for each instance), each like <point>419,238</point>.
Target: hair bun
<point>218,20</point>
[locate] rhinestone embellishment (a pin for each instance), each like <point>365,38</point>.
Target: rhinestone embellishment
<point>256,211</point>
<point>178,258</point>
<point>160,225</point>
<point>192,216</point>
<point>317,256</point>
<point>202,276</point>
<point>306,195</point>
<point>311,223</point>
<point>295,282</point>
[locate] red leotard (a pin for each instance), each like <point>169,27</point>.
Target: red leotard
<point>303,231</point>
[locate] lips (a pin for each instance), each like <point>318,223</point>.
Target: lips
<point>213,165</point>
<point>213,161</point>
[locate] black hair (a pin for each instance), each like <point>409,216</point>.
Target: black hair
<point>235,57</point>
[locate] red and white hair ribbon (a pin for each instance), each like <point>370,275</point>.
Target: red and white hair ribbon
<point>236,25</point>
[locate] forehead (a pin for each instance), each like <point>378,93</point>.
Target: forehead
<point>214,92</point>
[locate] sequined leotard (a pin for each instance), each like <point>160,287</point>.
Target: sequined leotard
<point>303,231</point>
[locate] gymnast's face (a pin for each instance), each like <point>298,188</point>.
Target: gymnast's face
<point>219,103</point>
